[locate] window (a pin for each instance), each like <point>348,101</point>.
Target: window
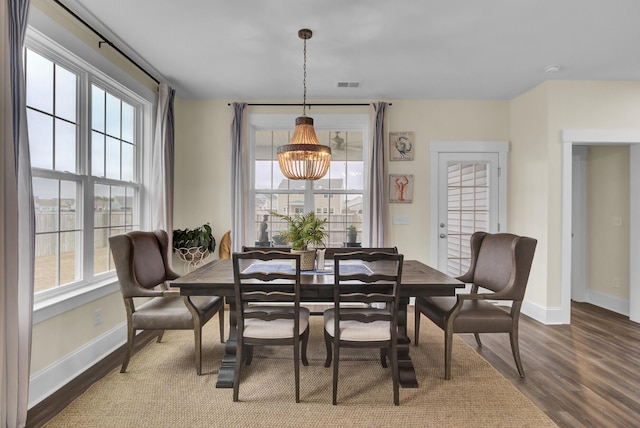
<point>338,197</point>
<point>84,133</point>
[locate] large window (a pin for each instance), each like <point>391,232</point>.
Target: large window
<point>338,197</point>
<point>84,134</point>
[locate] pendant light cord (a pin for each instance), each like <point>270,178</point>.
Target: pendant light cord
<point>304,80</point>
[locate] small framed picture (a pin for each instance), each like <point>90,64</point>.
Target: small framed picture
<point>401,146</point>
<point>400,188</point>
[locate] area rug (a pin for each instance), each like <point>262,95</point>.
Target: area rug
<point>161,389</point>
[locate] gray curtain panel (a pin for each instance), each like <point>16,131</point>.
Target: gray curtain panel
<point>378,191</point>
<point>238,178</point>
<point>18,227</point>
<point>162,165</point>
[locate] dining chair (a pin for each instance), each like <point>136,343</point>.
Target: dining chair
<point>268,311</point>
<point>142,264</point>
<point>500,265</point>
<point>367,327</point>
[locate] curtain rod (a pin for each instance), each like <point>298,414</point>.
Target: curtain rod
<point>105,40</point>
<point>308,104</point>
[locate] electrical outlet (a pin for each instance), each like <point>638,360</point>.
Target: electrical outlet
<point>97,319</point>
<point>615,283</point>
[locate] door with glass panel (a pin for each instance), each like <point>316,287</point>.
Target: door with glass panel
<point>468,198</point>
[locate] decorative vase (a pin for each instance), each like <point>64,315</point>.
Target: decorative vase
<point>352,235</point>
<point>307,258</point>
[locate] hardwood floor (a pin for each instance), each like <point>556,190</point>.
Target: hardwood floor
<point>586,374</point>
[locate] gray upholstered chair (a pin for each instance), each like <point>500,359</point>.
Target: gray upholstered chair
<point>263,318</point>
<point>366,327</point>
<point>141,260</point>
<point>500,264</point>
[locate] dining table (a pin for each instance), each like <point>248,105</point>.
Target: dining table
<point>418,279</point>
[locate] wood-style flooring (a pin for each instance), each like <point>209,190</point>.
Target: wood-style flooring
<point>586,374</point>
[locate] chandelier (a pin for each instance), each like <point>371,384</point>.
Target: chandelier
<point>304,158</point>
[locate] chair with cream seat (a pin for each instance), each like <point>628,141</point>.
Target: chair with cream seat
<point>268,312</point>
<point>365,327</point>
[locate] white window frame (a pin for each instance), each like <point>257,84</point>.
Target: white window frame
<point>52,302</point>
<point>325,122</point>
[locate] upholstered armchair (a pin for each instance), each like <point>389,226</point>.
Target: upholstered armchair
<point>141,261</point>
<point>500,266</point>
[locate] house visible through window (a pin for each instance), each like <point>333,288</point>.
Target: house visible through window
<point>338,197</point>
<point>84,132</point>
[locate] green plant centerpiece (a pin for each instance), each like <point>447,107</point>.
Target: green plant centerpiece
<point>304,231</point>
<point>194,245</point>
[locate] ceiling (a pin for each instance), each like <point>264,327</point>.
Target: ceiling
<point>403,49</point>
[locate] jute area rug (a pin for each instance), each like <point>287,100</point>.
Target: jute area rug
<point>161,389</point>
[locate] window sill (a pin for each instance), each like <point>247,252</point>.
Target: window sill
<point>64,302</point>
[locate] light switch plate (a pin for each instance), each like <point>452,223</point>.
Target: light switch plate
<point>400,219</point>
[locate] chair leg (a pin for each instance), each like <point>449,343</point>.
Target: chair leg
<point>515,350</point>
<point>296,368</point>
<point>238,367</point>
<point>249,350</point>
<point>395,375</point>
<point>477,336</point>
<point>131,335</point>
<point>416,327</point>
<point>383,357</point>
<point>305,341</point>
<point>197,332</point>
<point>448,344</point>
<point>160,336</point>
<point>336,359</point>
<point>327,342</point>
<point>221,322</point>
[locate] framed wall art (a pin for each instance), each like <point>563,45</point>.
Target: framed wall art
<point>401,146</point>
<point>401,188</point>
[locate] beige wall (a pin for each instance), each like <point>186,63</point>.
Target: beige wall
<point>608,220</point>
<point>538,118</point>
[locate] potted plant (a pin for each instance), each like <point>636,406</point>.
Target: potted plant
<point>194,245</point>
<point>305,230</point>
<point>352,234</point>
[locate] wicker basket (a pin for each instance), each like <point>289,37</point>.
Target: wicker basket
<point>307,258</point>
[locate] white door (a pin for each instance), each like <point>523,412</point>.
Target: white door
<point>468,201</point>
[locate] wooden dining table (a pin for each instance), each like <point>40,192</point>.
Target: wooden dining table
<point>418,279</point>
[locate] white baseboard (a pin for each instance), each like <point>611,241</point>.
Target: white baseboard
<point>48,380</point>
<point>609,302</point>
<point>543,314</point>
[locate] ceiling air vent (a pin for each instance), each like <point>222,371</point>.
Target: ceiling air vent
<point>348,84</point>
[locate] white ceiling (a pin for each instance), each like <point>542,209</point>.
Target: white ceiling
<point>402,49</point>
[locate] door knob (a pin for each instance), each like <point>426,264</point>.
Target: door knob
<point>442,225</point>
<point>442,235</point>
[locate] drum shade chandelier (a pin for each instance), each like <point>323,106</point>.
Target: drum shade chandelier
<point>304,158</point>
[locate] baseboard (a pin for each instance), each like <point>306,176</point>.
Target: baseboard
<point>543,314</point>
<point>51,391</point>
<point>48,380</point>
<point>606,301</point>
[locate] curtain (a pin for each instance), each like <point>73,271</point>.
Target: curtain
<point>238,178</point>
<point>17,241</point>
<point>162,162</point>
<point>378,189</point>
